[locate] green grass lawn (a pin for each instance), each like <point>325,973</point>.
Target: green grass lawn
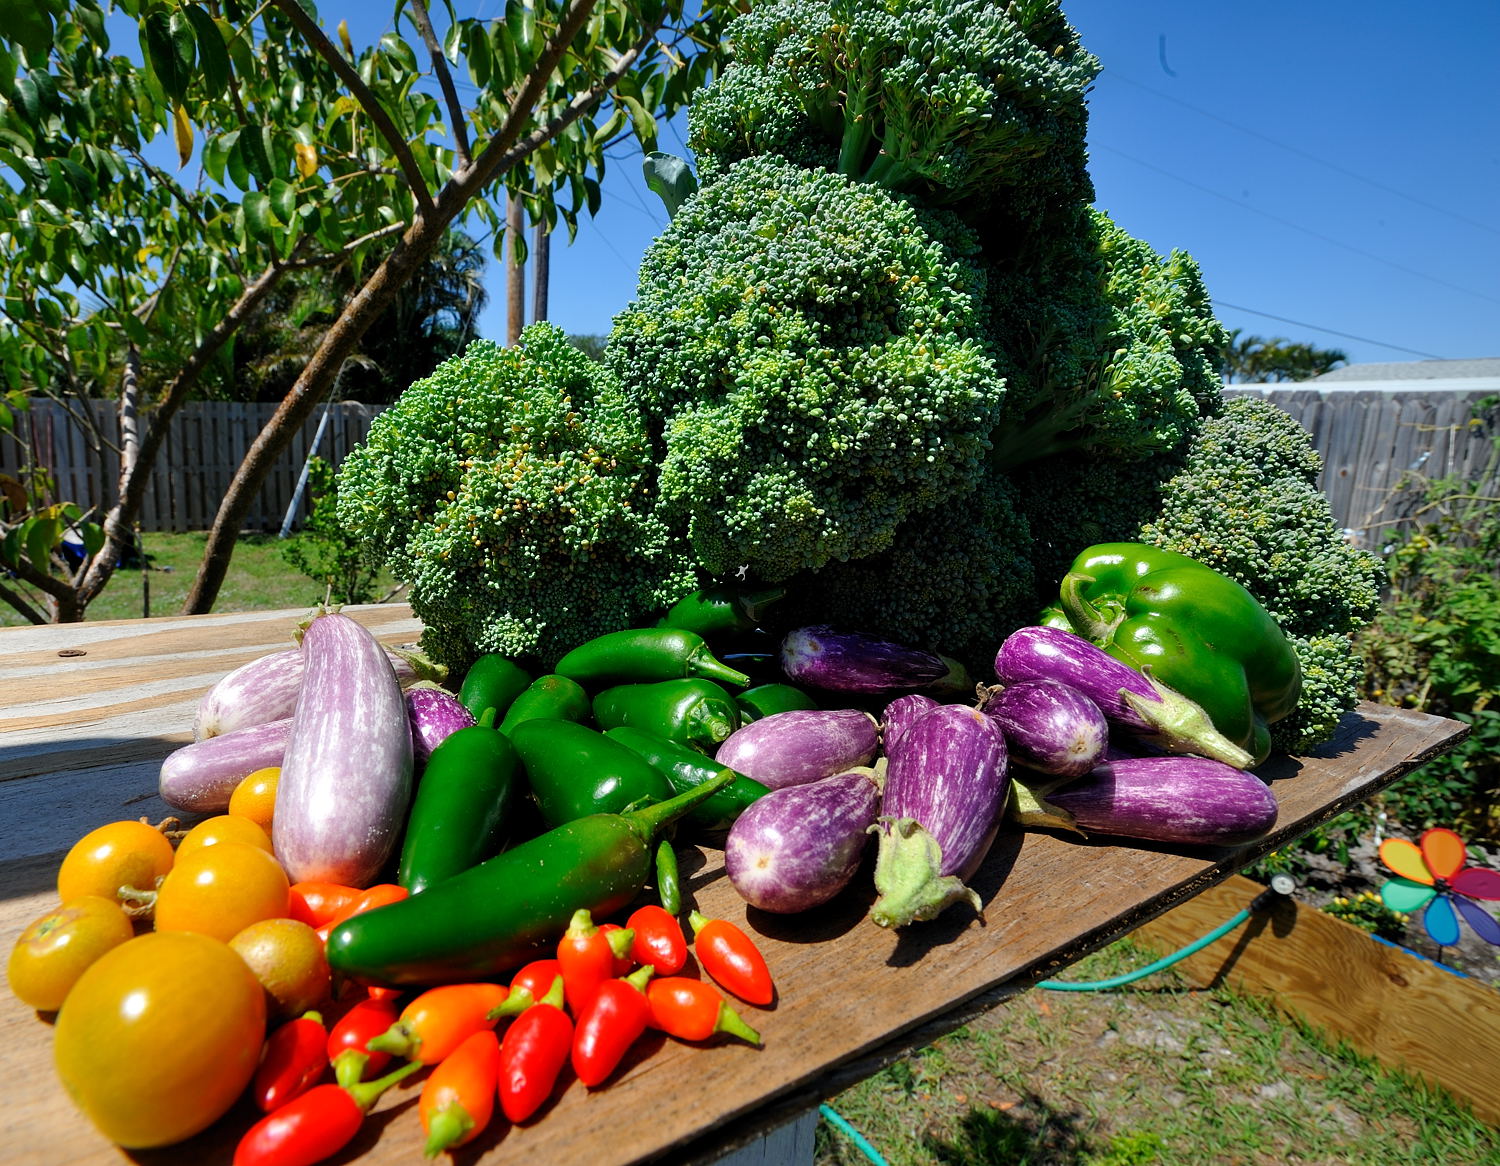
<point>259,579</point>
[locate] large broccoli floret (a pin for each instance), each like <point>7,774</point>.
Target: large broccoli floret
<point>1247,503</point>
<point>810,352</point>
<point>954,102</point>
<point>955,581</point>
<point>513,490</point>
<point>1105,345</point>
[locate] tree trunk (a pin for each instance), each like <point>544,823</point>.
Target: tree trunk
<point>541,270</point>
<point>515,271</point>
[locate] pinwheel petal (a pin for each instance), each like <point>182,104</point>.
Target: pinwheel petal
<point>1440,921</point>
<point>1405,896</point>
<point>1405,859</point>
<point>1480,920</point>
<point>1444,852</point>
<point>1477,882</point>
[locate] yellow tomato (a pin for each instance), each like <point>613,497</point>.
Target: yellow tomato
<point>223,828</point>
<point>120,854</point>
<point>255,796</point>
<point>287,958</point>
<point>221,889</point>
<point>55,950</point>
<point>159,1037</point>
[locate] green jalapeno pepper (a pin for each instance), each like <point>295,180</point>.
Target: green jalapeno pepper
<point>511,909</point>
<point>574,770</point>
<point>640,654</point>
<point>1192,628</point>
<point>775,697</point>
<point>685,768</point>
<point>696,712</point>
<point>461,814</point>
<point>668,879</point>
<point>721,609</point>
<point>492,681</point>
<point>550,697</point>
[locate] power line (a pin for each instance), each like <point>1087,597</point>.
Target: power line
<point>1299,227</point>
<point>1308,154</point>
<point>1327,331</point>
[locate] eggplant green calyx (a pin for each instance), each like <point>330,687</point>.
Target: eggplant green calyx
<point>1029,808</point>
<point>1180,725</point>
<point>909,878</point>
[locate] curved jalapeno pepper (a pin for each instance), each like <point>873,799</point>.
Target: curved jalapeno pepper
<point>574,770</point>
<point>721,609</point>
<point>765,699</point>
<point>635,655</point>
<point>492,682</point>
<point>1192,628</point>
<point>548,698</point>
<point>511,909</point>
<point>463,808</point>
<point>685,768</point>
<point>695,712</point>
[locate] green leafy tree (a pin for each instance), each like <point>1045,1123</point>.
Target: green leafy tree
<point>310,153</point>
<point>1262,360</point>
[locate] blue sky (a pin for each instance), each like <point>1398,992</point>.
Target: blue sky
<point>1333,164</point>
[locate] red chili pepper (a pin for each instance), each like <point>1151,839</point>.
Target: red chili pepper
<point>587,954</point>
<point>319,903</point>
<point>458,1100</point>
<point>693,1010</point>
<point>368,899</point>
<point>440,1019</point>
<point>614,1020</point>
<point>624,962</point>
<point>316,1125</point>
<point>732,959</point>
<point>362,1023</point>
<point>536,977</point>
<point>295,1056</point>
<point>659,940</point>
<point>532,1054</point>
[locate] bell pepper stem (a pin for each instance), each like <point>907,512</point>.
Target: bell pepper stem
<point>1087,620</point>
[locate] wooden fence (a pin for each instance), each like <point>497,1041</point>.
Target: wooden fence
<point>1369,442</point>
<point>204,444</point>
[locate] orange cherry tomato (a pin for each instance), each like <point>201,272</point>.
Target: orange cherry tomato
<point>120,854</point>
<point>56,949</point>
<point>219,890</point>
<point>223,828</point>
<point>255,796</point>
<point>159,1037</point>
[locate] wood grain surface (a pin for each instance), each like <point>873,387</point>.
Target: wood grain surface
<point>83,736</point>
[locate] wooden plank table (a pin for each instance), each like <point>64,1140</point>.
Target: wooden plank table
<point>91,709</point>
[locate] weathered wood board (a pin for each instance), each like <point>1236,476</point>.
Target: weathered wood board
<point>83,737</point>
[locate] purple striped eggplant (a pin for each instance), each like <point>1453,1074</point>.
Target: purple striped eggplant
<point>1049,726</point>
<point>820,657</point>
<point>900,714</point>
<point>346,778</point>
<point>266,688</point>
<point>946,783</point>
<point>1132,700</point>
<point>800,745</point>
<point>797,847</point>
<point>199,778</point>
<point>434,713</point>
<point>1192,801</point>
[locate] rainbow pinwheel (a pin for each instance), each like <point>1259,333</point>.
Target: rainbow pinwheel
<point>1434,874</point>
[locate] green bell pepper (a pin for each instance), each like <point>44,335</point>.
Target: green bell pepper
<point>1188,626</point>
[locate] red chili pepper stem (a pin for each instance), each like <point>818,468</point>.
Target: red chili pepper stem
<point>731,1022</point>
<point>366,1093</point>
<point>519,1000</point>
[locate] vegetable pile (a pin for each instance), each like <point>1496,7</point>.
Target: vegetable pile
<point>904,509</point>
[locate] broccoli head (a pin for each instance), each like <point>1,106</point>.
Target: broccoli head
<point>1106,346</point>
<point>1247,503</point>
<point>955,102</point>
<point>513,490</point>
<point>810,353</point>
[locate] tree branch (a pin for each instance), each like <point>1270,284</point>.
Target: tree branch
<point>21,604</point>
<point>320,44</point>
<point>456,119</point>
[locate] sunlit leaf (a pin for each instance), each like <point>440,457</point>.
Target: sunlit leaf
<point>182,135</point>
<point>307,159</point>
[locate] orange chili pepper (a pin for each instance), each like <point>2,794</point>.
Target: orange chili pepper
<point>458,1099</point>
<point>440,1019</point>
